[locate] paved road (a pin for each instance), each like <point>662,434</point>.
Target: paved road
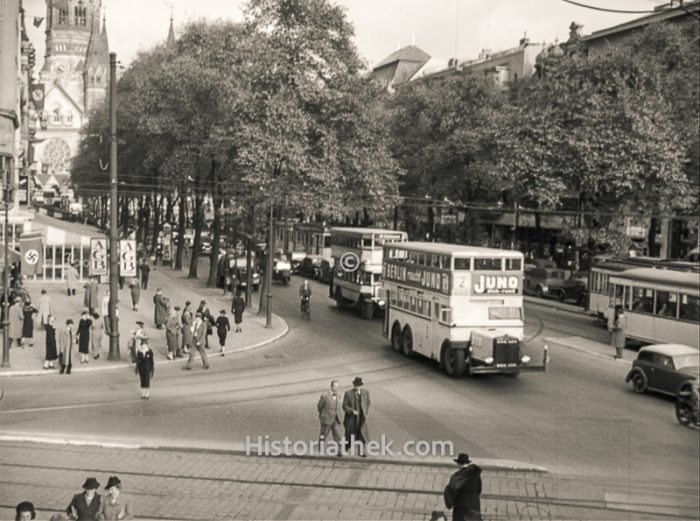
<point>579,418</point>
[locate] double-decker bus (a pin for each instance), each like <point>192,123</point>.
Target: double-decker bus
<point>357,266</point>
<point>312,239</point>
<point>459,305</point>
<point>603,268</point>
<point>661,306</point>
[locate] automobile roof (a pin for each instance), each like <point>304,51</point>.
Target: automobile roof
<point>670,349</point>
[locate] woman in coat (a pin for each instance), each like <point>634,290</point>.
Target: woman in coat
<point>237,308</point>
<point>16,321</point>
<point>84,336</point>
<point>51,351</point>
<point>187,320</point>
<point>145,367</point>
<point>66,344</point>
<point>135,293</point>
<point>44,306</point>
<point>618,329</point>
<point>86,506</point>
<point>161,308</point>
<point>96,336</point>
<point>71,279</point>
<point>28,312</point>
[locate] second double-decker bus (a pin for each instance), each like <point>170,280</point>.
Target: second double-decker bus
<point>660,306</point>
<point>459,305</point>
<point>357,266</point>
<point>312,239</point>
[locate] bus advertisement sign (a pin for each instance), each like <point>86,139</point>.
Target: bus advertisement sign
<point>495,283</point>
<point>418,276</point>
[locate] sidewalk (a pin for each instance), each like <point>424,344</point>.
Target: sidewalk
<point>28,361</point>
<point>590,347</point>
<point>181,484</point>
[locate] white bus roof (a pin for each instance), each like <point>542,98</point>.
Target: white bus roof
<point>364,231</point>
<point>458,250</point>
<point>667,277</point>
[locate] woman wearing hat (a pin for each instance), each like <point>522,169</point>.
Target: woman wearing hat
<point>66,344</point>
<point>28,311</point>
<point>25,511</point>
<point>116,505</point>
<point>51,351</point>
<point>84,327</point>
<point>145,367</point>
<point>16,316</point>
<point>86,505</point>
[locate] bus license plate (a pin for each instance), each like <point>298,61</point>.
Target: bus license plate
<point>506,365</point>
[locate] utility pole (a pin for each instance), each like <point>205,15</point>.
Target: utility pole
<point>113,207</point>
<point>5,163</point>
<point>268,270</point>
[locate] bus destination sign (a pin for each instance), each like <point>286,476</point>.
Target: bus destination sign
<point>418,276</point>
<point>495,284</point>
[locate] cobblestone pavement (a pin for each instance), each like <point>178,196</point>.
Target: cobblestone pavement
<point>175,484</point>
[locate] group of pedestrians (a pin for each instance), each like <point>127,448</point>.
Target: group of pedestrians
<point>88,505</point>
<point>354,407</point>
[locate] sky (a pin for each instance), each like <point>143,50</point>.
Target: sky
<point>442,28</point>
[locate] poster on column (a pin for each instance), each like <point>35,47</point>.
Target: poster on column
<point>98,256</point>
<point>31,249</point>
<point>127,258</point>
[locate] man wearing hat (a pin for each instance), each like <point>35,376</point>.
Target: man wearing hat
<point>116,505</point>
<point>137,335</point>
<point>199,335</point>
<point>172,331</point>
<point>25,511</point>
<point>463,491</point>
<point>86,506</point>
<point>356,404</point>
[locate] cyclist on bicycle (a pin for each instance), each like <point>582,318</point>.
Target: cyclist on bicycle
<point>305,297</point>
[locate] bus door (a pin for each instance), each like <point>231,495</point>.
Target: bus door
<point>387,309</point>
<point>436,335</point>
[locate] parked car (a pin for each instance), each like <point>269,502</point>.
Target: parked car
<point>295,259</point>
<point>205,248</point>
<point>326,272</point>
<point>243,281</point>
<point>545,279</point>
<point>281,269</point>
<point>311,266</point>
<point>666,368</point>
<point>575,289</point>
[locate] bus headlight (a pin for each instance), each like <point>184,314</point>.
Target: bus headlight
<point>525,359</point>
<point>488,360</point>
<point>380,303</point>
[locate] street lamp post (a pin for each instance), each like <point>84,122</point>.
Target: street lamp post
<point>5,282</point>
<point>113,233</point>
<point>268,271</point>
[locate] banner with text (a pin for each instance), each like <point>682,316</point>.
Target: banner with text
<point>99,257</point>
<point>127,258</point>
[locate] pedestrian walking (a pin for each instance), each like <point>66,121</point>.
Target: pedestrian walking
<point>187,321</point>
<point>115,505</point>
<point>72,277</point>
<point>121,281</point>
<point>145,270</point>
<point>172,331</point>
<point>199,334</point>
<point>104,304</point>
<point>24,511</point>
<point>208,321</point>
<point>462,493</point>
<point>16,317</point>
<point>92,295</point>
<point>96,336</point>
<point>51,351</point>
<point>86,506</point>
<point>237,308</point>
<point>44,307</point>
<point>83,334</point>
<point>329,408</point>
<point>28,312</point>
<point>145,367</point>
<point>161,307</point>
<point>222,328</point>
<point>135,340</point>
<point>356,403</point>
<point>65,357</point>
<point>618,329</point>
<point>135,293</point>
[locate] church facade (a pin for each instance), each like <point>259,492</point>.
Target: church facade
<point>74,77</point>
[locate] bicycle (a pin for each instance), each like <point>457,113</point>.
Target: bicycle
<point>306,308</point>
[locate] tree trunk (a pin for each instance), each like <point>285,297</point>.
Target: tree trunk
<point>651,244</point>
<point>216,236</point>
<point>125,216</point>
<point>181,209</point>
<point>157,209</point>
<point>540,235</point>
<point>146,220</point>
<point>170,203</point>
<point>198,218</point>
<point>248,258</point>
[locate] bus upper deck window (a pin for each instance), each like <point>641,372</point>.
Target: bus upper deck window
<point>513,264</point>
<point>444,262</point>
<point>462,264</point>
<point>487,264</point>
<point>367,243</point>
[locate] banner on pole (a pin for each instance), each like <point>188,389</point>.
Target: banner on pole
<point>31,249</point>
<point>98,256</point>
<point>127,258</point>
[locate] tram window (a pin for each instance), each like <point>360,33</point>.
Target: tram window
<point>367,243</point>
<point>628,297</point>
<point>513,264</point>
<point>666,304</point>
<point>487,264</point>
<point>690,308</point>
<point>462,264</point>
<point>642,300</point>
<point>616,293</point>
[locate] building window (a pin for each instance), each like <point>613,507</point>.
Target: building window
<point>63,16</point>
<point>80,15</point>
<point>56,116</point>
<point>68,119</point>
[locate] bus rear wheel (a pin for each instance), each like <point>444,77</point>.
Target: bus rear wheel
<point>396,338</point>
<point>454,361</point>
<point>367,309</point>
<point>407,342</point>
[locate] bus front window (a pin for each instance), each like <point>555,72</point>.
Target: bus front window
<point>505,313</point>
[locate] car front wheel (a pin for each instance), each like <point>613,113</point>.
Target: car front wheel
<point>639,382</point>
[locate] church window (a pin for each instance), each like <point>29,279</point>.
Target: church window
<point>56,116</point>
<point>68,119</point>
<point>63,16</point>
<point>80,15</point>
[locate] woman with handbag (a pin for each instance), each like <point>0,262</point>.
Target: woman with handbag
<point>145,367</point>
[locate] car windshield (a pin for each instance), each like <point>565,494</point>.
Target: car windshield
<point>687,361</point>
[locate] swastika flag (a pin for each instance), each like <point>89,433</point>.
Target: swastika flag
<point>32,252</point>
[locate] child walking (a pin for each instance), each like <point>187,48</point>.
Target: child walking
<point>222,328</point>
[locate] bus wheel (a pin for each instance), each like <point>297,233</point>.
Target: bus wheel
<point>407,341</point>
<point>539,292</point>
<point>396,338</point>
<point>367,309</point>
<point>455,362</point>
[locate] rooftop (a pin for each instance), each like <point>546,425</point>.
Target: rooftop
<point>457,249</point>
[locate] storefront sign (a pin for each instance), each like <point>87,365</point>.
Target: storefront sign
<point>127,258</point>
<point>98,256</point>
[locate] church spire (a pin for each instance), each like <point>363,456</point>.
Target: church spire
<point>170,42</point>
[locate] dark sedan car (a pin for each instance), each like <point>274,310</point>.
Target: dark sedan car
<point>666,368</point>
<point>311,266</point>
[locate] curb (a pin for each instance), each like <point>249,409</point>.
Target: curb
<point>554,342</point>
<point>122,365</point>
<point>492,464</point>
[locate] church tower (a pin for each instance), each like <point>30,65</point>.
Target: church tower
<point>96,71</point>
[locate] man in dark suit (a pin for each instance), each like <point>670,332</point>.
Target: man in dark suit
<point>329,408</point>
<point>463,491</point>
<point>199,334</point>
<point>356,404</point>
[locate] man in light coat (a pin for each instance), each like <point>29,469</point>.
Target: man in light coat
<point>92,295</point>
<point>161,308</point>
<point>356,404</point>
<point>44,305</point>
<point>329,408</point>
<point>199,335</point>
<point>172,331</point>
<point>16,317</point>
<point>72,277</point>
